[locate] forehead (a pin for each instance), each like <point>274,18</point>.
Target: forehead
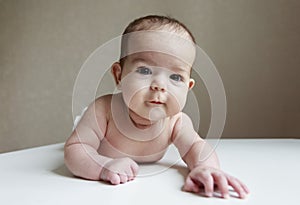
<point>158,59</point>
<point>162,42</point>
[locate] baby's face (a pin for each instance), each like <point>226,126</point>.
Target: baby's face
<point>155,84</point>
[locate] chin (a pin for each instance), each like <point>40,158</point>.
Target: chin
<point>156,114</point>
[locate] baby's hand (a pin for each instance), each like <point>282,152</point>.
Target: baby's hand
<point>207,177</point>
<point>119,170</point>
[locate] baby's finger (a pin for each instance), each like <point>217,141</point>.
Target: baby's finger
<point>237,186</point>
<point>103,174</point>
<point>190,185</point>
<point>246,189</point>
<point>129,175</point>
<point>222,184</point>
<point>134,168</point>
<point>113,178</point>
<point>207,180</point>
<point>123,178</point>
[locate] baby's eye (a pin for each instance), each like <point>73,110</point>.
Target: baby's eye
<point>144,70</point>
<point>176,77</point>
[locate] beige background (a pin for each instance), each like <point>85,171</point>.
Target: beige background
<point>254,44</point>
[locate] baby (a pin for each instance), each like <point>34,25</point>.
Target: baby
<point>137,125</point>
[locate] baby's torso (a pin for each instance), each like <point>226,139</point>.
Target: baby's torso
<point>123,139</point>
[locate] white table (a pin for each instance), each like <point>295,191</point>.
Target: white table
<point>270,168</point>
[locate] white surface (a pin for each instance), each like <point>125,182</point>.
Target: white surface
<point>270,168</point>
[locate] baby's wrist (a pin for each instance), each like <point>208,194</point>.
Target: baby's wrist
<point>199,164</point>
<point>204,165</point>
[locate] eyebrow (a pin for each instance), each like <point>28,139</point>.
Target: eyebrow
<point>139,59</point>
<point>150,62</point>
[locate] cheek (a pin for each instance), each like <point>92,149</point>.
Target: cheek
<point>178,95</point>
<point>132,88</point>
<point>175,105</point>
<point>177,99</point>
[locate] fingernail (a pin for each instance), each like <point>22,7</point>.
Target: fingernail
<point>209,194</point>
<point>243,195</point>
<point>226,196</point>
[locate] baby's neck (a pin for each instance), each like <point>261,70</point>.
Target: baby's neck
<point>139,121</point>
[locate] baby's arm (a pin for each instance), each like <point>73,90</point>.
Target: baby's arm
<point>203,162</point>
<point>81,156</point>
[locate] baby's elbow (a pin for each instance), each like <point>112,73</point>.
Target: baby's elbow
<point>67,158</point>
<point>70,156</point>
<point>71,162</point>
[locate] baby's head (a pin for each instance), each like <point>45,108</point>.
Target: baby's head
<point>152,23</point>
<point>157,54</point>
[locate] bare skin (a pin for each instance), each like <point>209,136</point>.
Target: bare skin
<point>137,125</point>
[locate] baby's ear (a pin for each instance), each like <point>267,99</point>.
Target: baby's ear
<point>191,83</point>
<point>116,71</point>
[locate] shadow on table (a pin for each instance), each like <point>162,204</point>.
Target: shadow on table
<point>63,171</point>
<point>182,170</point>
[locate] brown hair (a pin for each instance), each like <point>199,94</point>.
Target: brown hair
<point>156,22</point>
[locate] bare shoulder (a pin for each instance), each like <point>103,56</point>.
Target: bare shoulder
<point>96,112</point>
<point>96,117</point>
<point>181,119</point>
<point>182,122</point>
<point>103,103</point>
<point>103,100</point>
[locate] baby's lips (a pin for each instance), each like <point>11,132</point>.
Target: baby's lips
<point>156,102</point>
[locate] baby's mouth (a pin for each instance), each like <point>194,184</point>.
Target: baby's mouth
<point>156,102</point>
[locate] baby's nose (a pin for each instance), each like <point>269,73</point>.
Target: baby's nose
<point>158,86</point>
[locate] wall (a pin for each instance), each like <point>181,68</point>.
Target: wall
<point>254,45</point>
